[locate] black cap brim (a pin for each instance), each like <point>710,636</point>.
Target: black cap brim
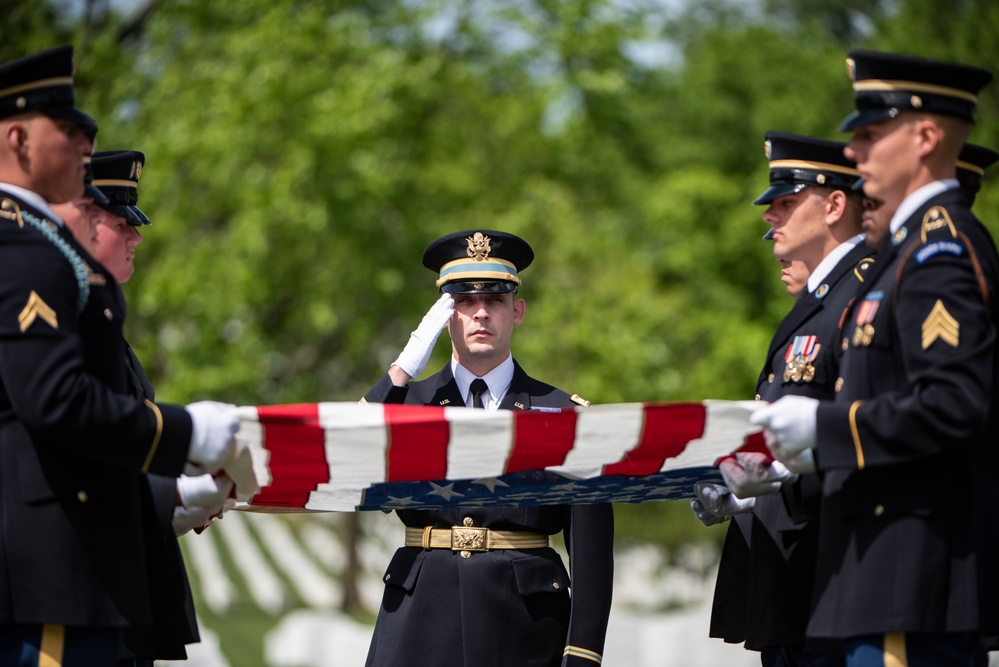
<point>74,115</point>
<point>778,190</point>
<point>479,287</point>
<point>94,192</point>
<point>866,117</point>
<point>133,215</point>
<point>858,186</point>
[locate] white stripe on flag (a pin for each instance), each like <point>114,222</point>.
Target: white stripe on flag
<point>480,443</point>
<point>356,445</point>
<point>604,434</point>
<point>726,426</point>
<point>251,436</point>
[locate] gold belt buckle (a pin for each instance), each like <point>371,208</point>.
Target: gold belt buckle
<point>467,539</point>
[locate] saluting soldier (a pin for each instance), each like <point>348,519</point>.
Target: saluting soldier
<point>72,550</point>
<point>907,450</point>
<point>763,592</point>
<point>506,602</point>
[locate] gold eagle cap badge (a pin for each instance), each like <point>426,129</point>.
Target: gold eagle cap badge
<point>851,69</point>
<point>767,148</point>
<point>478,246</point>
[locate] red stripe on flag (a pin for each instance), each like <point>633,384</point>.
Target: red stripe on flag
<point>297,449</point>
<point>418,441</point>
<point>754,442</point>
<point>667,430</point>
<point>541,439</point>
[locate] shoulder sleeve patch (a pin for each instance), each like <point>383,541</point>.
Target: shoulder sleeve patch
<point>934,248</point>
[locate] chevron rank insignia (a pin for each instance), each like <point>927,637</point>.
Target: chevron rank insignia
<point>940,324</point>
<point>36,308</point>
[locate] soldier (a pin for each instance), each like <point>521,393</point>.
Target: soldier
<point>763,592</point>
<point>72,539</point>
<point>507,604</point>
<point>116,174</point>
<point>906,566</point>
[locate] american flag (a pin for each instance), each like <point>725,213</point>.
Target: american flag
<point>366,456</point>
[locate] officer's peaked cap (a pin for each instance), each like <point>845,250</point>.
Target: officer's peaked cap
<point>478,261</point>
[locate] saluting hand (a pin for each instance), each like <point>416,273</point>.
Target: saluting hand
<point>414,357</point>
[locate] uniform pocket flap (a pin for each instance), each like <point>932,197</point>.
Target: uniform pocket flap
<point>537,574</point>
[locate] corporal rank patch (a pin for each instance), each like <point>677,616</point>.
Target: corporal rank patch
<point>934,248</point>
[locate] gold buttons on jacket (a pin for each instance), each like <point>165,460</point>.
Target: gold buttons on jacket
<point>82,496</point>
<point>770,378</point>
<point>108,314</point>
<point>468,521</point>
<point>879,509</point>
<point>846,344</point>
<point>839,384</point>
<point>555,585</point>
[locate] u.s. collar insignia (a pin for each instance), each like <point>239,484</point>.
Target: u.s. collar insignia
<point>446,401</point>
<point>767,148</point>
<point>936,218</point>
<point>899,235</point>
<point>478,246</point>
<point>822,290</point>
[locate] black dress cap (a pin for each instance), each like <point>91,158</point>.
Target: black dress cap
<point>43,82</point>
<point>117,173</point>
<point>886,84</point>
<point>478,261</point>
<point>971,166</point>
<point>797,161</point>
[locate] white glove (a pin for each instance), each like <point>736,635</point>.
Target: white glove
<point>414,357</point>
<point>790,422</point>
<point>715,503</point>
<point>803,462</point>
<point>204,490</point>
<point>186,519</point>
<point>214,425</point>
<point>753,474</point>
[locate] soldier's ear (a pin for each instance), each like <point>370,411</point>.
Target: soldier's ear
<point>15,134</point>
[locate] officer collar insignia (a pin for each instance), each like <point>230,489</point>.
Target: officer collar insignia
<point>478,246</point>
<point>936,218</point>
<point>899,236</point>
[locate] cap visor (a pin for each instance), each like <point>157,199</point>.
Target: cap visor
<point>74,115</point>
<point>858,186</point>
<point>865,117</point>
<point>132,214</point>
<point>778,190</point>
<point>95,193</point>
<point>479,287</point>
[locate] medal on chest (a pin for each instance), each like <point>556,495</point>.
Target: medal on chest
<point>799,357</point>
<point>863,334</point>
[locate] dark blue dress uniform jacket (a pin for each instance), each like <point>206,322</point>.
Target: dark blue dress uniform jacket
<point>174,622</point>
<point>908,449</point>
<point>763,592</point>
<point>72,442</point>
<point>503,607</point>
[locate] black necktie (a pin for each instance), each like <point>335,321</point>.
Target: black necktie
<point>478,387</point>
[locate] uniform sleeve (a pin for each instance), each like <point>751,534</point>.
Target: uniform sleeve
<point>43,369</point>
<point>945,343</point>
<point>590,543</point>
<point>386,392</point>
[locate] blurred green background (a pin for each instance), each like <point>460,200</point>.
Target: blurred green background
<point>301,154</point>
